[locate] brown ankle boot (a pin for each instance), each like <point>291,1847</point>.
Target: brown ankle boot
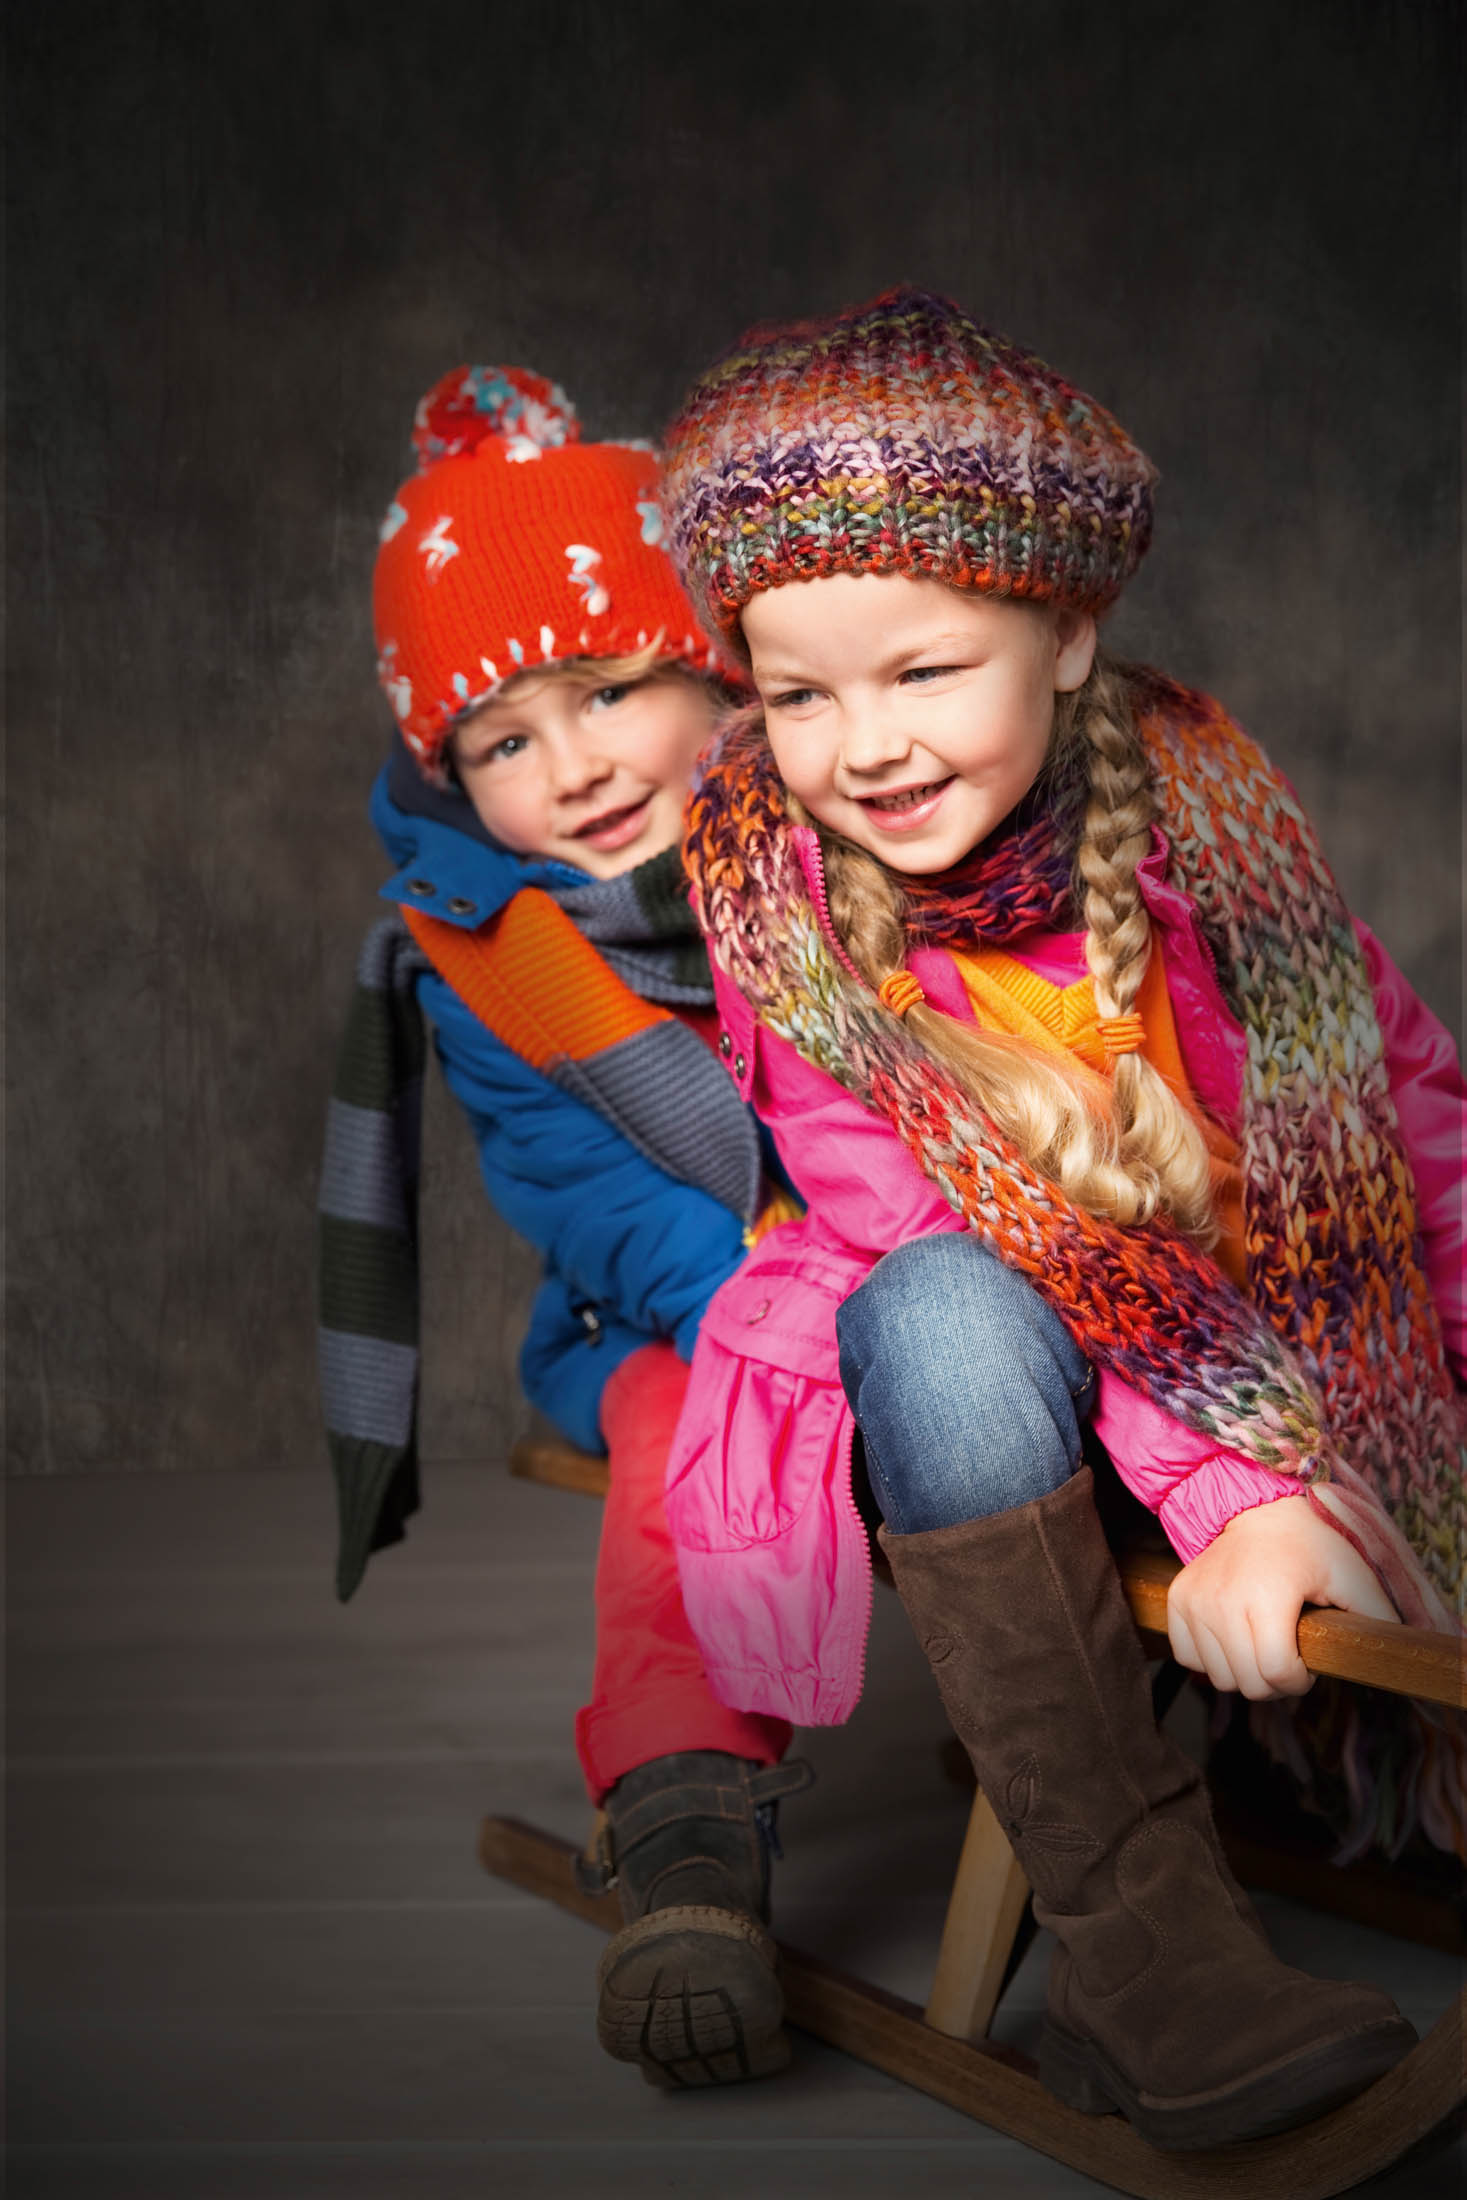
<point>689,1989</point>
<point>1164,1998</point>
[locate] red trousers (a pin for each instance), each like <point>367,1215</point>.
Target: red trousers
<point>649,1694</point>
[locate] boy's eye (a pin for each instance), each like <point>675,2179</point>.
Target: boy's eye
<point>917,673</point>
<point>512,744</point>
<point>790,699</point>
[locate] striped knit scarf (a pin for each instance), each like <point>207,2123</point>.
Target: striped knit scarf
<point>659,1088</point>
<point>1331,1366</point>
<point>644,926</point>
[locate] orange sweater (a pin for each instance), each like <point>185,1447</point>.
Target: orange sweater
<point>1007,996</point>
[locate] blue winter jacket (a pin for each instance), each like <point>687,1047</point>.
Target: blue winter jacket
<point>630,1252</point>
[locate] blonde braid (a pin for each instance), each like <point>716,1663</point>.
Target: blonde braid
<point>1160,1143</point>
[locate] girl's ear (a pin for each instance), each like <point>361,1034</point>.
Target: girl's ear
<point>1074,633</point>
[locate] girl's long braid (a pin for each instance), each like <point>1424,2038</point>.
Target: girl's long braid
<point>1159,1141</point>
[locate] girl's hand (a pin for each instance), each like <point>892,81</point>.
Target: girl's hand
<point>1233,1614</point>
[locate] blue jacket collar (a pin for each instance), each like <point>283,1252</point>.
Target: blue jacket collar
<point>448,864</point>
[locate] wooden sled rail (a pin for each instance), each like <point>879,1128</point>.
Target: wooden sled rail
<point>1407,1661</point>
<point>999,2087</point>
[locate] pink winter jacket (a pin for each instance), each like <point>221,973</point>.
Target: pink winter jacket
<point>773,1556</point>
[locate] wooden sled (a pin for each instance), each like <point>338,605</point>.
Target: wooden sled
<point>945,2050</point>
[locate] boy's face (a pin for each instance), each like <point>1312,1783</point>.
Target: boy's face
<point>568,767</point>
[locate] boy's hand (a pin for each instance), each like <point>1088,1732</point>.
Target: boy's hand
<point>1233,1614</point>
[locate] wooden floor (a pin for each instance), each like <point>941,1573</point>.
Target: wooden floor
<point>250,1952</point>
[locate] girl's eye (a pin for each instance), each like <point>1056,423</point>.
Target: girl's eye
<point>791,699</point>
<point>607,698</point>
<point>917,673</point>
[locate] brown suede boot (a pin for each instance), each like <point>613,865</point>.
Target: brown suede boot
<point>1164,1998</point>
<point>690,1988</point>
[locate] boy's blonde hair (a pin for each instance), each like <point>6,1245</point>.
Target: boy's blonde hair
<point>626,670</point>
<point>1121,1147</point>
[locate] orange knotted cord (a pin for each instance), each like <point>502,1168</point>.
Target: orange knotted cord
<point>900,992</point>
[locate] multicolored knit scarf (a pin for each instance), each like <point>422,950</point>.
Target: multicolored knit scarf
<point>1331,1367</point>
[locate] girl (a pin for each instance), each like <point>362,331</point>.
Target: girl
<point>1104,1114</point>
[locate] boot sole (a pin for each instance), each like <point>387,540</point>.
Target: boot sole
<point>1294,2091</point>
<point>692,1995</point>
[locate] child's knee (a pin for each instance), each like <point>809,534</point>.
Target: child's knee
<point>931,1293</point>
<point>968,1388</point>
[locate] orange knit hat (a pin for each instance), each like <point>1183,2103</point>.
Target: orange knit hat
<point>516,545</point>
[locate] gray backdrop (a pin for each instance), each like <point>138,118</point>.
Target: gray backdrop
<point>244,241</point>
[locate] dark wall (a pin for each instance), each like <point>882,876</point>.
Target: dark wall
<point>245,240</point>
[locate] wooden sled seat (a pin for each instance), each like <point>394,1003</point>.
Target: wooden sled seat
<point>945,2050</point>
<point>1406,1661</point>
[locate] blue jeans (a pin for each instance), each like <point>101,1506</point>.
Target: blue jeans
<point>968,1389</point>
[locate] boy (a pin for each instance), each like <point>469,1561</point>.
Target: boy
<point>551,691</point>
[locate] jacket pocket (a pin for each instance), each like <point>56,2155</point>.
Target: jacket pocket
<point>761,1445</point>
<point>779,1309</point>
<point>765,1426</point>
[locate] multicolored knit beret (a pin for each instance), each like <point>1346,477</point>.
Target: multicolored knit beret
<point>899,437</point>
<point>516,545</point>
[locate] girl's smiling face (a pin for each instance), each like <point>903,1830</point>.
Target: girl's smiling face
<point>907,715</point>
<point>584,770</point>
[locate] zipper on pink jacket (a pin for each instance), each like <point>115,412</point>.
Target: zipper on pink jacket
<point>812,863</point>
<point>868,1571</point>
